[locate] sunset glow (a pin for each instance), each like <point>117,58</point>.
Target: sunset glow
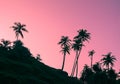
<point>48,20</point>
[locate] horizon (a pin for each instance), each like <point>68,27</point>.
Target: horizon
<point>47,21</point>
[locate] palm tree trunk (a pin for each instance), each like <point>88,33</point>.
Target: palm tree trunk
<point>108,67</point>
<point>72,73</point>
<point>76,62</point>
<point>77,70</point>
<point>91,61</point>
<point>63,62</point>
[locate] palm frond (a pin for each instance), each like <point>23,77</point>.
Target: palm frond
<point>24,29</point>
<point>21,34</point>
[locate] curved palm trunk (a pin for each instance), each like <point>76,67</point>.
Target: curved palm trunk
<point>76,62</point>
<point>63,62</point>
<point>72,73</point>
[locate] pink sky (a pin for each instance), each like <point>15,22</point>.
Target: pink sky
<point>48,20</point>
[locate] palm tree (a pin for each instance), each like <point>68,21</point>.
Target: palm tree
<point>108,60</point>
<point>65,45</point>
<point>91,53</point>
<point>76,47</point>
<point>5,44</point>
<point>64,41</point>
<point>18,28</point>
<point>5,47</point>
<point>82,36</point>
<point>65,50</point>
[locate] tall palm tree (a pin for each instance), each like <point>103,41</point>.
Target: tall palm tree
<point>65,50</point>
<point>65,45</point>
<point>76,47</point>
<point>91,53</point>
<point>82,36</point>
<point>108,60</point>
<point>18,28</point>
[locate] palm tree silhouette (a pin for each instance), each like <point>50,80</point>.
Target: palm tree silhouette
<point>82,36</point>
<point>65,50</point>
<point>5,48</point>
<point>18,28</point>
<point>64,41</point>
<point>65,45</point>
<point>91,53</point>
<point>5,44</point>
<point>108,60</point>
<point>77,48</point>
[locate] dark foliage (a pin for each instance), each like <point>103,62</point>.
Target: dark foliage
<point>98,75</point>
<point>18,66</point>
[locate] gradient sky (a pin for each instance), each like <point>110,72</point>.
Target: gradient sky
<point>48,20</point>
